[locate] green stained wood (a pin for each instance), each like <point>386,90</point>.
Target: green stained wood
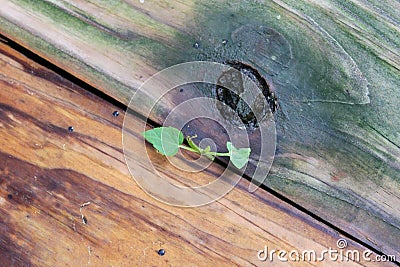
<point>338,132</point>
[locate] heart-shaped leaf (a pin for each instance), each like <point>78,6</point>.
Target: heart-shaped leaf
<point>238,156</point>
<point>165,139</point>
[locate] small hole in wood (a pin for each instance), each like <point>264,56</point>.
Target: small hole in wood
<point>231,101</point>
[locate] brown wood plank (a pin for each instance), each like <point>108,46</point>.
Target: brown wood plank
<point>48,173</point>
<point>338,147</point>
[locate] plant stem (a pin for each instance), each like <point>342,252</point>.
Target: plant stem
<point>222,154</point>
<point>200,151</point>
<point>189,148</point>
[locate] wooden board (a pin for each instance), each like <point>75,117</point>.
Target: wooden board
<point>338,142</point>
<point>50,178</point>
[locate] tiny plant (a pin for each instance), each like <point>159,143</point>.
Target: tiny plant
<point>168,140</point>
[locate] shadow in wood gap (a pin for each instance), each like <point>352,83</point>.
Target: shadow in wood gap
<point>86,86</point>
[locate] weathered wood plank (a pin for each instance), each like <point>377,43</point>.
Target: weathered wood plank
<point>340,161</point>
<point>47,173</point>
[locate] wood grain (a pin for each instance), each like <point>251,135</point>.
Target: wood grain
<point>47,174</point>
<point>338,143</point>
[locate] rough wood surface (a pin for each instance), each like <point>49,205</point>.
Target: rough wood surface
<point>338,132</point>
<point>47,174</point>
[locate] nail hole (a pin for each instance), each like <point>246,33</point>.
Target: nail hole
<point>161,252</point>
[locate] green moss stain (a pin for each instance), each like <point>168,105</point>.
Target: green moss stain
<point>106,36</point>
<point>320,95</point>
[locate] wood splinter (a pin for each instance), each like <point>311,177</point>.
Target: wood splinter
<point>84,219</point>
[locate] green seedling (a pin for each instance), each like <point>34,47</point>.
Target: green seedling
<point>168,141</point>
